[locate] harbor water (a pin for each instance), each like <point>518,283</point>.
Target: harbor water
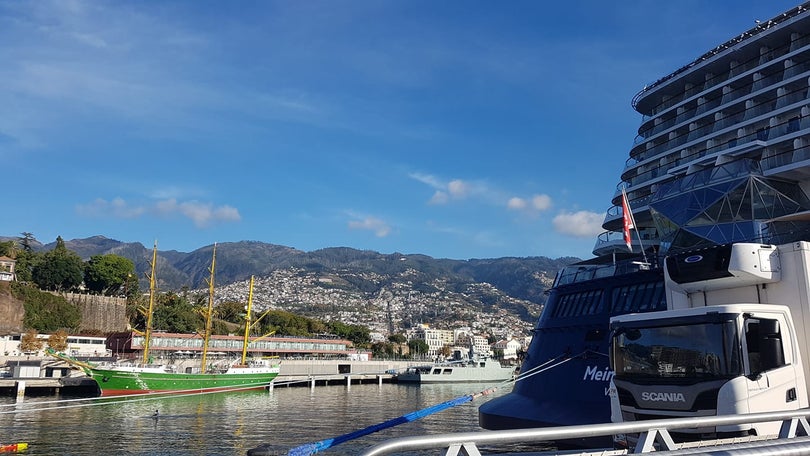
<point>233,423</point>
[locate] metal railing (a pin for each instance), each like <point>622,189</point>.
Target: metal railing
<point>653,435</point>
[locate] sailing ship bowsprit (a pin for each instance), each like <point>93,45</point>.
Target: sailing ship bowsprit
<point>129,379</point>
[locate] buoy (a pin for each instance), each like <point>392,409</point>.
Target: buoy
<point>13,447</point>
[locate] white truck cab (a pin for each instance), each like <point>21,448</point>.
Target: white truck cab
<point>731,342</point>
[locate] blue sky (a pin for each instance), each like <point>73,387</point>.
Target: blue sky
<point>456,129</point>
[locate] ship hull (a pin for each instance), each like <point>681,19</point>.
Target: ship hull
<point>472,378</point>
<point>122,383</point>
<point>488,371</point>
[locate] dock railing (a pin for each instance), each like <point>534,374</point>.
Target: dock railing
<point>653,435</point>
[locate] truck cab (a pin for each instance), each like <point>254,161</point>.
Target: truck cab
<point>718,360</point>
<point>731,341</point>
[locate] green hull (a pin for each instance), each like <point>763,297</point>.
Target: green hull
<point>120,383</point>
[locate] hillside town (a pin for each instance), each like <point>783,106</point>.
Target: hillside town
<point>443,319</point>
<point>400,306</point>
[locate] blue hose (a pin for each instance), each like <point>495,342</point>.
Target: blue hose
<point>312,448</point>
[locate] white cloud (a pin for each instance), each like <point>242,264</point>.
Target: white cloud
<point>458,188</point>
<point>455,190</point>
<point>117,208</point>
<point>541,202</point>
<point>535,204</point>
<point>439,197</point>
<point>427,179</point>
<point>202,214</point>
<point>582,224</point>
<point>379,227</point>
<point>516,203</point>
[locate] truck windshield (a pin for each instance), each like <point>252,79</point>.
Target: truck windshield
<point>701,350</point>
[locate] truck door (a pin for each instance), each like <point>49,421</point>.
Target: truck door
<point>772,372</point>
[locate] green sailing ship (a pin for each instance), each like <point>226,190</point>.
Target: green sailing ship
<point>130,379</point>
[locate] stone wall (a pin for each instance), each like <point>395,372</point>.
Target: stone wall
<point>102,313</point>
<point>11,311</point>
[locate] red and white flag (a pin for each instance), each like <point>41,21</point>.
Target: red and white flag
<point>628,221</point>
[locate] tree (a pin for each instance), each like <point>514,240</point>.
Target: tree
<point>58,340</point>
<point>382,350</point>
<point>110,274</point>
<point>418,347</point>
<point>26,260</point>
<point>445,351</point>
<point>173,313</point>
<point>8,248</point>
<point>359,335</point>
<point>26,240</point>
<point>397,338</point>
<point>231,311</point>
<point>60,269</point>
<point>30,343</point>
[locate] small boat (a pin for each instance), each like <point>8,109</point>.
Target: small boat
<point>486,370</point>
<point>13,447</point>
<point>129,379</point>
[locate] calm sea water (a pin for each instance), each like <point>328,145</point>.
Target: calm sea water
<point>233,423</point>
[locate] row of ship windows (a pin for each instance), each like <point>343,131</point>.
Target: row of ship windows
<point>797,41</point>
<point>766,129</point>
<point>793,90</point>
<point>712,146</point>
<point>631,298</point>
<point>731,115</point>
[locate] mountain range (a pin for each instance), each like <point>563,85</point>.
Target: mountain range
<point>370,280</point>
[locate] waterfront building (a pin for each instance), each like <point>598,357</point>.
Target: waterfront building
<point>77,345</point>
<point>169,345</point>
<point>509,348</point>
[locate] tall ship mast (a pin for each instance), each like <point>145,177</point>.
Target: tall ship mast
<point>148,312</point>
<point>208,314</point>
<point>722,155</point>
<point>131,379</point>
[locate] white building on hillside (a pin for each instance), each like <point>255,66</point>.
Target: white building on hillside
<point>7,268</point>
<point>480,344</point>
<point>436,339</point>
<point>509,347</point>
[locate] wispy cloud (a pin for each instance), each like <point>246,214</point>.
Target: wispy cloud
<point>455,190</point>
<point>202,214</point>
<point>377,226</point>
<point>116,208</point>
<point>581,224</point>
<point>447,191</point>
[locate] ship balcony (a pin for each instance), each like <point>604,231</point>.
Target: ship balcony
<point>752,50</point>
<point>614,220</point>
<point>611,242</point>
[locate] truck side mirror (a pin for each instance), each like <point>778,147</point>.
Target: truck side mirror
<point>772,354</point>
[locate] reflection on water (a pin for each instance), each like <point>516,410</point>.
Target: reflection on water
<point>232,423</point>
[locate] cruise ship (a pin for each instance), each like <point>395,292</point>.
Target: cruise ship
<point>722,155</point>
